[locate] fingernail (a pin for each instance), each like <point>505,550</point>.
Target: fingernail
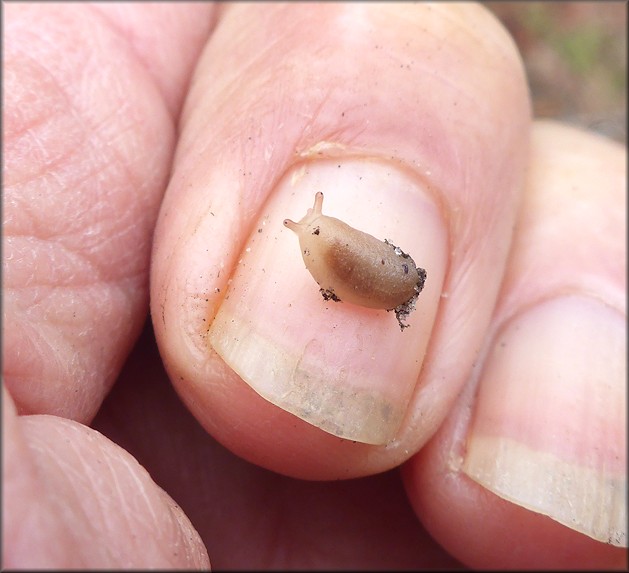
<point>549,430</point>
<point>347,369</point>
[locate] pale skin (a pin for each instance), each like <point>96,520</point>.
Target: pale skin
<point>117,132</point>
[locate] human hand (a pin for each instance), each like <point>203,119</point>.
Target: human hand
<point>425,110</point>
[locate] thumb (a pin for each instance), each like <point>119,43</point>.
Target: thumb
<point>382,108</point>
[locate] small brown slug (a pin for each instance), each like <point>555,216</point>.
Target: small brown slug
<point>356,267</point>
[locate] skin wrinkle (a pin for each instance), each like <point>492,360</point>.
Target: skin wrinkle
<point>172,276</point>
<point>183,539</point>
<point>67,111</point>
<point>154,522</point>
<point>19,134</point>
<point>91,266</point>
<point>122,225</point>
<point>123,25</point>
<point>65,362</point>
<point>15,52</point>
<point>69,355</point>
<point>48,43</point>
<point>125,286</point>
<point>98,142</point>
<point>45,168</point>
<point>112,472</point>
<point>126,35</point>
<point>497,36</point>
<point>191,326</point>
<point>66,266</point>
<point>231,85</point>
<point>41,187</point>
<point>125,511</point>
<point>56,304</point>
<point>252,65</point>
<point>59,499</point>
<point>310,129</point>
<point>130,179</point>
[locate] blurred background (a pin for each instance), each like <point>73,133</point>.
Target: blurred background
<point>575,54</point>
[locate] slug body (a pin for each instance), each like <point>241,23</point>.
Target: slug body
<point>353,266</point>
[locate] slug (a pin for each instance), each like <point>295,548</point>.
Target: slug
<point>353,266</point>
